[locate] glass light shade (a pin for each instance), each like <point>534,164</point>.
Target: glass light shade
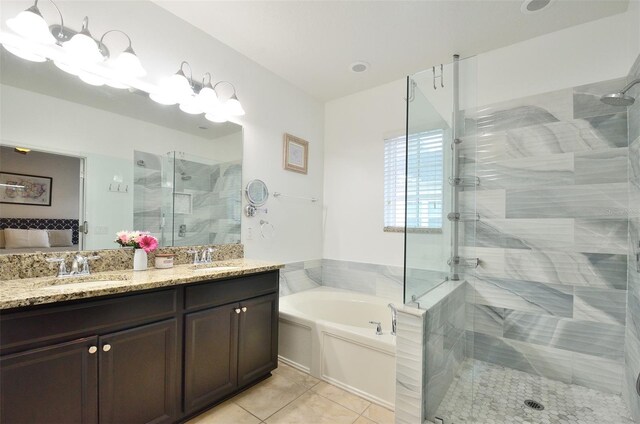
<point>128,64</point>
<point>191,106</point>
<point>178,86</point>
<point>32,26</point>
<point>115,84</point>
<point>163,98</point>
<point>24,53</point>
<point>233,107</point>
<point>208,99</point>
<point>91,79</point>
<point>216,117</point>
<point>83,48</point>
<point>67,67</point>
<point>172,90</point>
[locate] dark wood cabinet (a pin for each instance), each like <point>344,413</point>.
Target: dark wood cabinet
<point>54,384</point>
<point>211,355</point>
<point>138,375</point>
<point>148,357</point>
<point>243,335</point>
<point>258,338</point>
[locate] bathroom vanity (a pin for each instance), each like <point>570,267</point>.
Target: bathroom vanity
<point>157,348</point>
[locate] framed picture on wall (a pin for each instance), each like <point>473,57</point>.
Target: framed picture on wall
<point>23,189</point>
<point>296,154</point>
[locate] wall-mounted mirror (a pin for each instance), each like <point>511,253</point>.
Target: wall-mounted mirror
<point>187,191</point>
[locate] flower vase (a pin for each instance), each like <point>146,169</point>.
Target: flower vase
<point>139,260</point>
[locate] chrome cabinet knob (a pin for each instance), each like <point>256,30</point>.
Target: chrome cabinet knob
<point>244,309</point>
<point>93,350</point>
<point>106,348</point>
<point>237,310</point>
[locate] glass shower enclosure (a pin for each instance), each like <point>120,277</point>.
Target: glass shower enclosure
<point>519,249</point>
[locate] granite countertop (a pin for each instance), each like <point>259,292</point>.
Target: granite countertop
<point>36,291</point>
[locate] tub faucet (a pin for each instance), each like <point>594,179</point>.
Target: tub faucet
<point>394,318</point>
<point>378,327</point>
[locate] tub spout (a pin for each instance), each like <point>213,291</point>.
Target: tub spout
<point>394,318</point>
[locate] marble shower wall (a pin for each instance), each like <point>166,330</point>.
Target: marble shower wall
<point>632,340</point>
<point>206,200</point>
<point>549,295</point>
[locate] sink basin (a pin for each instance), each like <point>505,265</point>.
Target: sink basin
<point>217,268</point>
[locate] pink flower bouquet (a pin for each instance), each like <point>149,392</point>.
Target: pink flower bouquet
<point>137,240</point>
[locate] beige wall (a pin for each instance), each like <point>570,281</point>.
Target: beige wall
<point>65,195</point>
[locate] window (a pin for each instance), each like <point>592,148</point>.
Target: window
<point>424,182</point>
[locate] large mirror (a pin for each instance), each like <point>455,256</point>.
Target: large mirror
<point>103,160</point>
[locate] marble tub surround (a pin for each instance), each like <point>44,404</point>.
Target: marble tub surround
<point>299,276</point>
<point>36,291</point>
<point>549,296</point>
<point>374,279</point>
<point>33,265</point>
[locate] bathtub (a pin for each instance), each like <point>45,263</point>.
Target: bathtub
<point>326,333</point>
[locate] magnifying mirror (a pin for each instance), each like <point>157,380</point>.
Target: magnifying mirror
<point>257,194</point>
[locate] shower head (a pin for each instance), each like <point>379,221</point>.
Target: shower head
<point>617,99</point>
<point>620,98</point>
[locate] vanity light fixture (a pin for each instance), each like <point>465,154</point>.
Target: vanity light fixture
<point>78,53</point>
<point>175,89</point>
<point>127,63</point>
<point>31,25</point>
<point>232,105</point>
<point>207,98</point>
<point>81,50</point>
<point>34,29</point>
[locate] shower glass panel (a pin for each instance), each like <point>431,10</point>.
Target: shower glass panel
<point>440,220</point>
<point>529,288</point>
<point>205,200</point>
<point>187,200</point>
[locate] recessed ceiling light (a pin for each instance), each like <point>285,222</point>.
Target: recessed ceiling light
<point>533,6</point>
<point>21,150</point>
<point>359,67</point>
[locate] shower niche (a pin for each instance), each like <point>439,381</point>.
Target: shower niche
<point>185,200</point>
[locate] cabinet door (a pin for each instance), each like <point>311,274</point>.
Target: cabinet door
<point>211,340</point>
<point>54,384</point>
<point>258,338</point>
<point>138,375</point>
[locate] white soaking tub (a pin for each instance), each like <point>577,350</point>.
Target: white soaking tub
<point>326,332</point>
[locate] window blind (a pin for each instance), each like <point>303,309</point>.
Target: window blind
<point>423,180</point>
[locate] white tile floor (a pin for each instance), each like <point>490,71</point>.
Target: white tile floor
<point>293,397</point>
<point>498,395</point>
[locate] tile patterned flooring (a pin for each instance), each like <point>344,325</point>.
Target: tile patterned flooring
<point>499,393</point>
<point>293,397</point>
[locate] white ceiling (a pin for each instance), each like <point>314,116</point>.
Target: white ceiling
<point>312,43</point>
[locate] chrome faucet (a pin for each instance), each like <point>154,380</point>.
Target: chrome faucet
<point>378,327</point>
<point>205,257</point>
<point>79,266</point>
<point>394,318</point>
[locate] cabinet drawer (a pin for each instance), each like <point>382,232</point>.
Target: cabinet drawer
<point>220,292</point>
<point>91,317</point>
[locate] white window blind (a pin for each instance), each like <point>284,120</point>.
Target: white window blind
<point>424,176</point>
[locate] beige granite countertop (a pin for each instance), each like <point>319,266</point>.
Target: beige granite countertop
<point>36,291</point>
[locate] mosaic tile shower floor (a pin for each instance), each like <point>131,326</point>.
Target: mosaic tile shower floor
<point>499,394</point>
